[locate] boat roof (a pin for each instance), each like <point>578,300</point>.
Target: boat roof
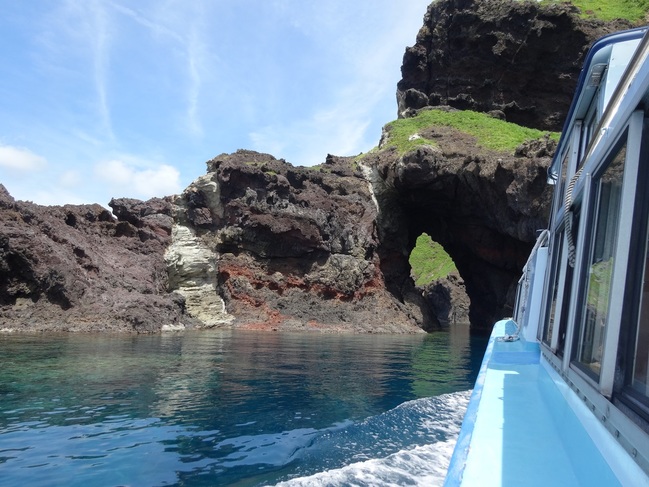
<point>598,60</point>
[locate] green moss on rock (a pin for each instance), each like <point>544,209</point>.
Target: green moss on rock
<point>631,10</point>
<point>490,132</point>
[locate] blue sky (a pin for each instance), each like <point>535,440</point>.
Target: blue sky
<point>117,98</point>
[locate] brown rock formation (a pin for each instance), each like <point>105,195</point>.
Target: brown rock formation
<point>483,206</point>
<point>68,268</point>
<point>448,300</point>
<point>296,248</point>
<point>518,58</point>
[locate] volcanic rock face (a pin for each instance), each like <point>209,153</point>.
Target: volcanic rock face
<point>68,268</point>
<point>482,206</point>
<point>519,59</point>
<point>191,264</point>
<point>258,243</point>
<point>448,300</point>
<point>327,247</point>
<point>293,248</point>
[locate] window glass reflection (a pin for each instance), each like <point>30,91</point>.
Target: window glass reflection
<point>640,378</point>
<point>600,269</point>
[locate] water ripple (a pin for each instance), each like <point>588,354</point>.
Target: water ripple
<point>221,408</point>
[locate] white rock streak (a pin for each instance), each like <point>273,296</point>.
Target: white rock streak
<point>192,273</point>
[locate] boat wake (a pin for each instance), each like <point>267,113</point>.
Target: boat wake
<point>422,465</point>
<point>409,445</point>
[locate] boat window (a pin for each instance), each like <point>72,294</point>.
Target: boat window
<point>555,278</point>
<point>590,123</point>
<point>559,194</point>
<point>640,371</point>
<point>597,296</point>
<point>565,297</point>
<point>633,355</point>
<point>565,308</point>
<point>633,358</point>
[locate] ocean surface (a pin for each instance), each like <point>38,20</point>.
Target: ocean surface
<point>217,408</point>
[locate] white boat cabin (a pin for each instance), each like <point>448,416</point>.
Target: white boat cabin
<point>563,394</point>
<point>589,306</point>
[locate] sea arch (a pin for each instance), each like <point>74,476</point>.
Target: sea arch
<point>483,207</point>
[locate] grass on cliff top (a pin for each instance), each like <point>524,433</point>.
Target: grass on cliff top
<point>429,261</point>
<point>490,132</point>
<point>632,10</point>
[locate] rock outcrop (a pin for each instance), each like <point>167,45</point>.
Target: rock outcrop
<point>483,206</point>
<point>258,243</point>
<point>78,268</point>
<point>519,59</point>
<point>448,300</point>
<point>293,248</point>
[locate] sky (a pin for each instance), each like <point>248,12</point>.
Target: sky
<point>117,98</point>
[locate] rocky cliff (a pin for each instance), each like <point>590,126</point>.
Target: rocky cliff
<point>294,248</point>
<point>517,59</point>
<point>78,268</point>
<point>259,243</point>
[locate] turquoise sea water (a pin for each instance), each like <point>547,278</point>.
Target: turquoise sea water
<point>215,408</point>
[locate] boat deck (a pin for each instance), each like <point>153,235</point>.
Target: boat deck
<point>524,427</point>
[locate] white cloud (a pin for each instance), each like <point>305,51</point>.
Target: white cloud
<point>181,81</point>
<point>149,23</point>
<point>52,196</point>
<point>20,159</point>
<point>183,23</point>
<point>101,60</point>
<point>44,190</point>
<point>194,60</point>
<point>78,38</point>
<point>133,180</point>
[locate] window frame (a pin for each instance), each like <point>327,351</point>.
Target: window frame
<point>631,135</point>
<point>636,276</point>
<point>570,160</point>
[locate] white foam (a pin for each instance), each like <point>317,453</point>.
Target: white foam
<point>418,465</point>
<point>422,465</point>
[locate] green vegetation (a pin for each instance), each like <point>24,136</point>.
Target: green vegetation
<point>633,10</point>
<point>401,135</point>
<point>429,261</point>
<point>490,132</point>
<point>325,168</point>
<point>599,286</point>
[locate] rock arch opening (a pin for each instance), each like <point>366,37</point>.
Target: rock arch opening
<point>483,208</point>
<point>429,261</point>
<point>442,287</point>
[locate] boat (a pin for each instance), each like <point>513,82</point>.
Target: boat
<point>562,396</point>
